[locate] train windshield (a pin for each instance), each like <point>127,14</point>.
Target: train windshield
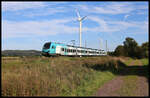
<point>46,45</point>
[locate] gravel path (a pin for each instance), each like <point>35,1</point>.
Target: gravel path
<point>110,88</point>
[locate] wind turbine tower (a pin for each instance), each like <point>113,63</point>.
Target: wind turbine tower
<point>80,29</point>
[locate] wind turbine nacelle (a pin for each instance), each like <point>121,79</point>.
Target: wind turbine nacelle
<point>79,19</point>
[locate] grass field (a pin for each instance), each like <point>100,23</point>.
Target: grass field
<point>59,76</point>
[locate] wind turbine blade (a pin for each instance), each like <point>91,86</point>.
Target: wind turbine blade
<point>78,13</point>
<point>83,17</point>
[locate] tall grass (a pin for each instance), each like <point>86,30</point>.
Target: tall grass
<point>60,76</point>
<point>145,61</point>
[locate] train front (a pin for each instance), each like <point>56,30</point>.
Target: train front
<point>46,49</point>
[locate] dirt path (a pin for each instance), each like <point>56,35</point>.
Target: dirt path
<point>125,86</point>
<point>108,88</point>
<point>142,85</point>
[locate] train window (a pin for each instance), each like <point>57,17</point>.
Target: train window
<point>46,45</point>
<point>62,49</point>
<point>53,47</point>
<point>79,51</point>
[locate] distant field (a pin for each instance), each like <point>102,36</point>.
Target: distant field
<point>59,76</point>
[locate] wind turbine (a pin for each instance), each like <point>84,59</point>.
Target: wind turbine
<point>80,21</point>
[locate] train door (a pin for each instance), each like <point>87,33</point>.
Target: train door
<point>58,49</point>
<point>53,49</point>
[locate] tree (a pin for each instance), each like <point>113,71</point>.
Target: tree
<point>138,52</point>
<point>130,46</point>
<point>144,47</point>
<point>119,51</point>
<point>111,53</point>
<point>131,49</point>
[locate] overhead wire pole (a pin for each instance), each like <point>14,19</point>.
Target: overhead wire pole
<point>85,43</point>
<point>73,42</point>
<point>100,44</point>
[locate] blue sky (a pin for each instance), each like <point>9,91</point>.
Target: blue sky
<point>28,25</point>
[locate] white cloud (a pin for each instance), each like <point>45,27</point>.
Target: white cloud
<point>115,26</point>
<point>112,8</point>
<point>44,12</point>
<point>126,16</point>
<point>60,26</point>
<point>37,8</point>
<point>29,28</point>
<point>15,6</point>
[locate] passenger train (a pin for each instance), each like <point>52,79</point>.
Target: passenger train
<point>59,49</point>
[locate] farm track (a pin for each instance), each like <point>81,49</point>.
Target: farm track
<point>117,86</point>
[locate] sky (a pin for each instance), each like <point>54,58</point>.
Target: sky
<point>28,25</point>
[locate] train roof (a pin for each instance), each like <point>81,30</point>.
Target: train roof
<point>75,46</point>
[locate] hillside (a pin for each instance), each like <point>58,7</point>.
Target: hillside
<point>21,53</point>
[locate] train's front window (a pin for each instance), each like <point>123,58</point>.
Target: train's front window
<point>46,45</point>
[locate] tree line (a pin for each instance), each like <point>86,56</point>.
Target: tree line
<point>130,48</point>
